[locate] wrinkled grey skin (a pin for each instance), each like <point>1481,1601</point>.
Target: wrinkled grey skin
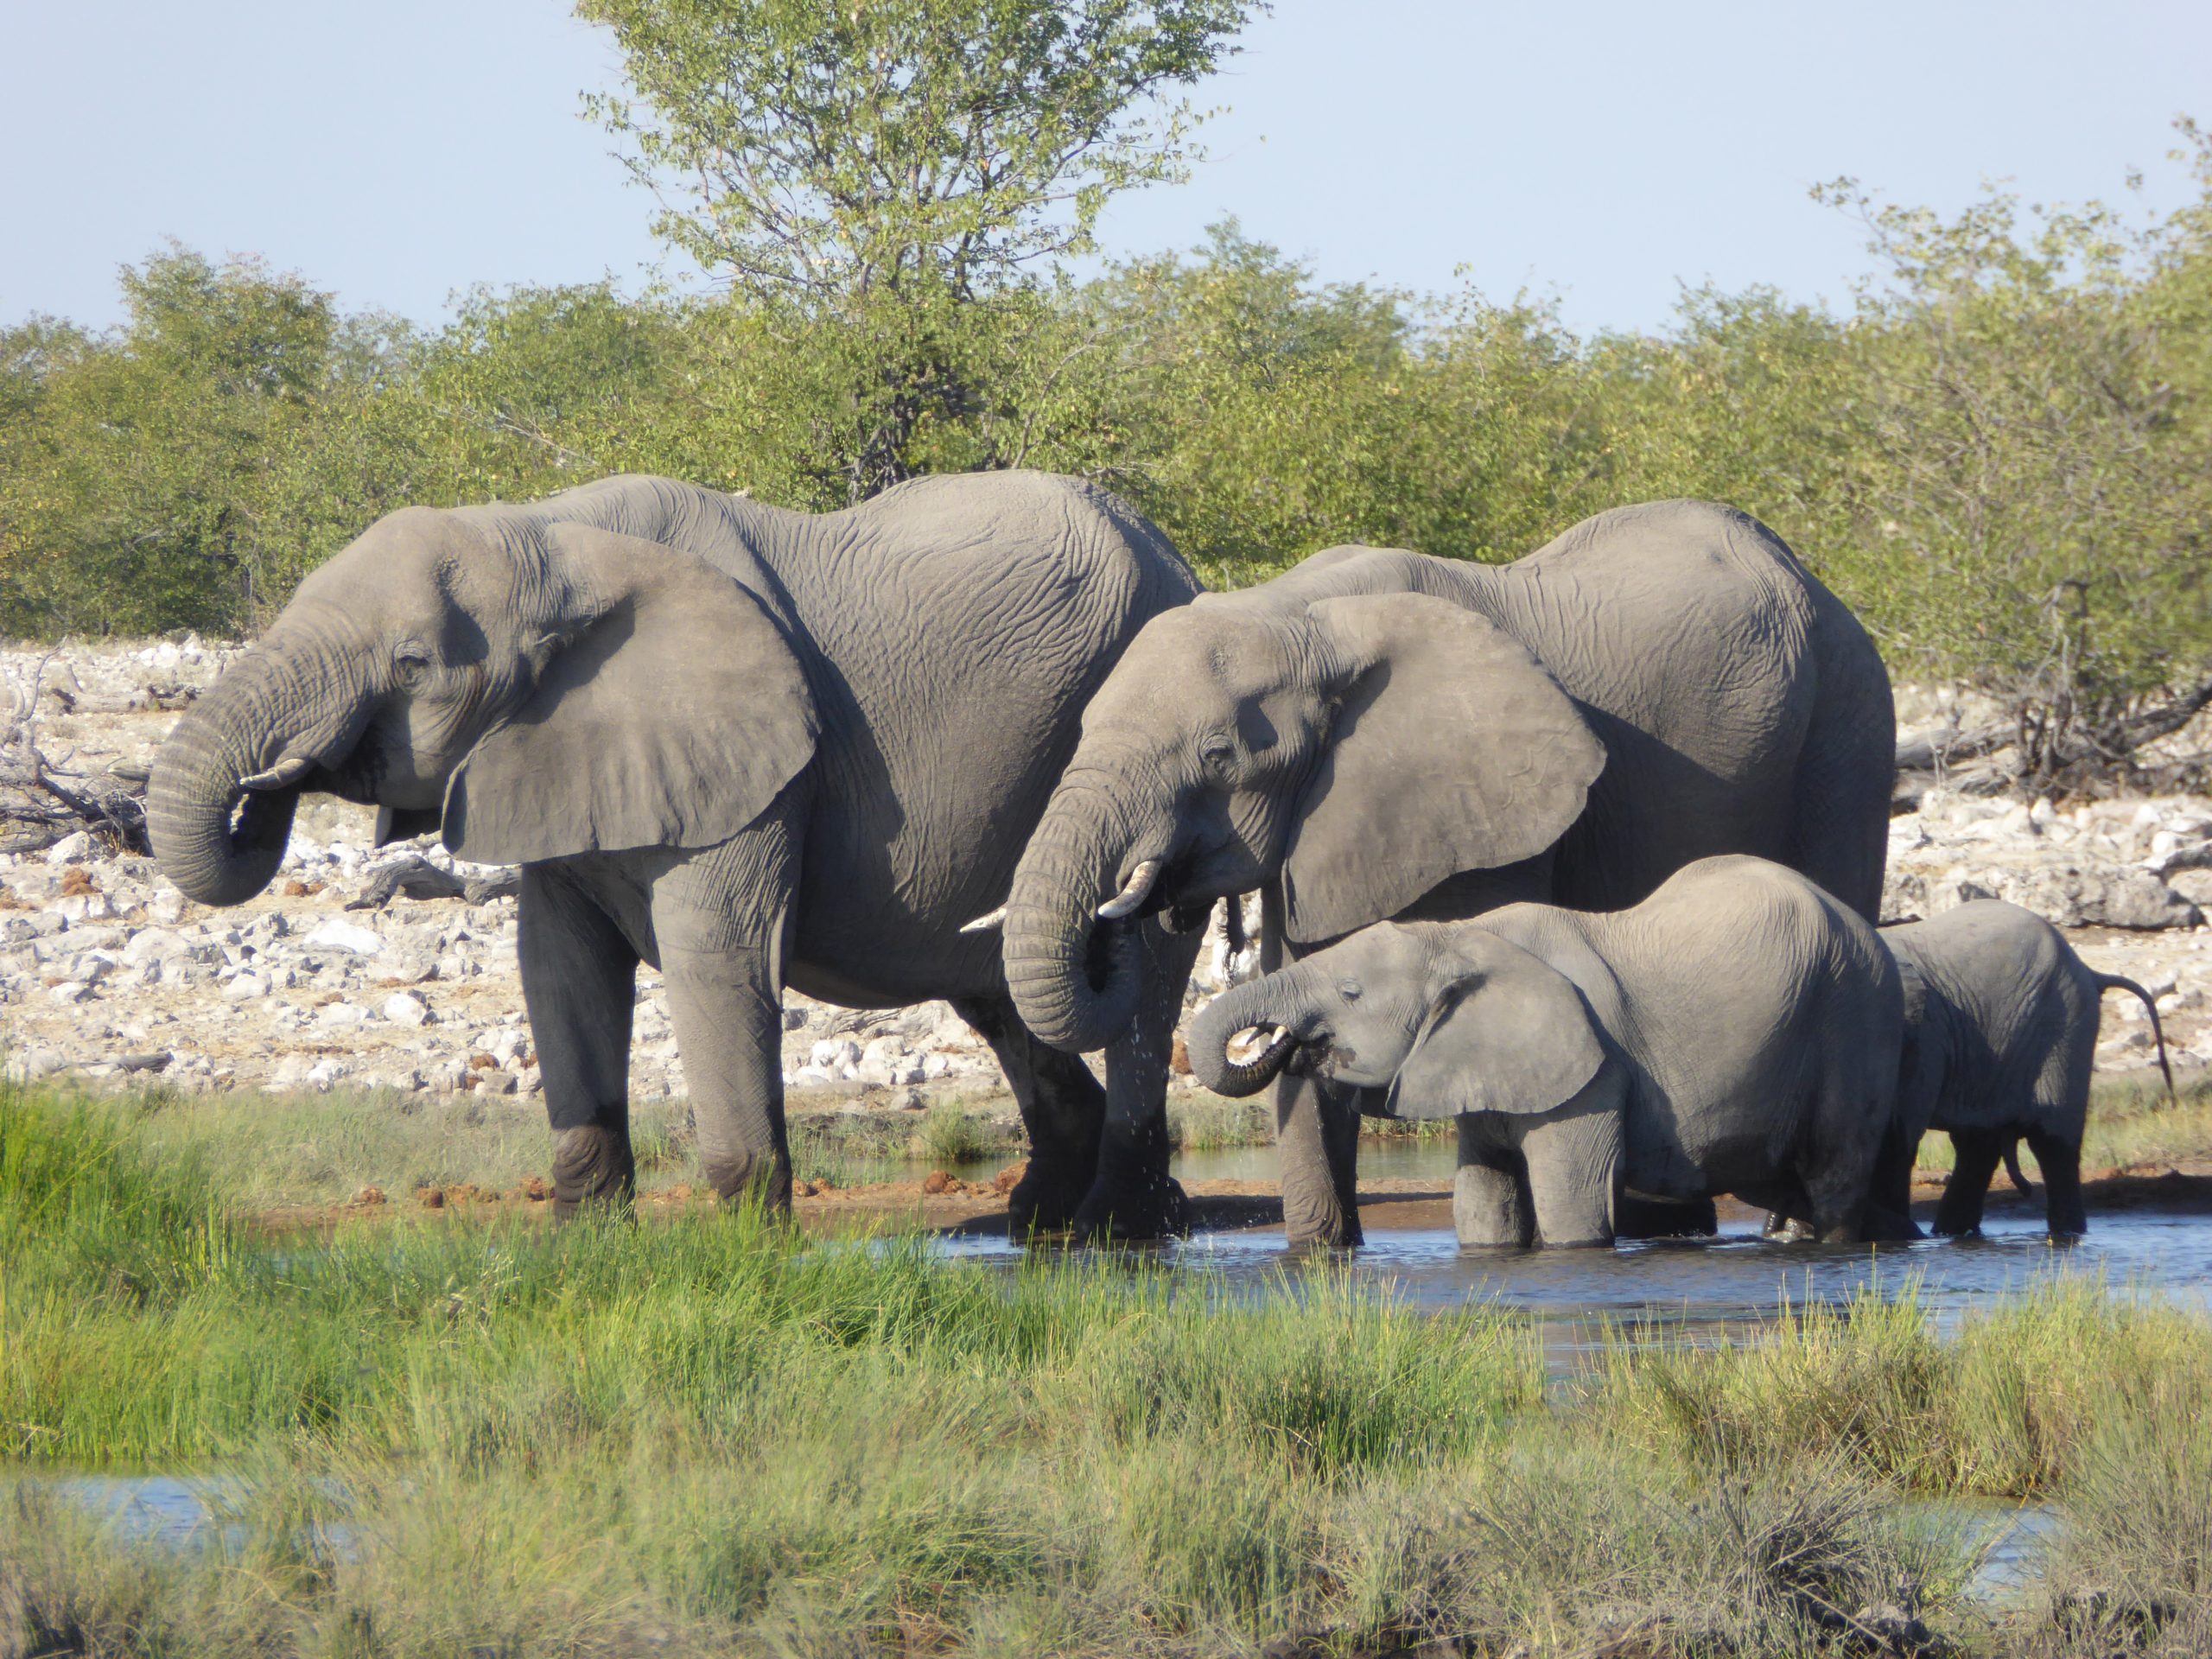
<point>1377,733</point>
<point>1736,1031</point>
<point>2001,1036</point>
<point>753,749</point>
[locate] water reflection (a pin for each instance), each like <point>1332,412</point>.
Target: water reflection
<point>1713,1289</point>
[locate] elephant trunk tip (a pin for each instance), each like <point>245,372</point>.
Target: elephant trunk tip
<point>1231,1025</point>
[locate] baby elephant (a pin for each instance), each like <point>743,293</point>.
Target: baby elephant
<point>2000,1032</point>
<point>1740,1031</point>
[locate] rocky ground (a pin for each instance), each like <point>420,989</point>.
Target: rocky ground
<point>107,972</point>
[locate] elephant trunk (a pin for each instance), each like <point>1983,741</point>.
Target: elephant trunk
<point>1242,1007</point>
<point>225,783</point>
<point>1073,973</point>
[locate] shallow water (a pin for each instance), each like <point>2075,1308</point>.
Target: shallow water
<point>1701,1289</point>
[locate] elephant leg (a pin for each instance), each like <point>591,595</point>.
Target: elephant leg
<point>579,982</point>
<point>1133,1195</point>
<point>2060,1162</point>
<point>1573,1161</point>
<point>1063,1108</point>
<point>1976,1154</point>
<point>1490,1195</point>
<point>1317,1138</point>
<point>1640,1218</point>
<point>720,917</point>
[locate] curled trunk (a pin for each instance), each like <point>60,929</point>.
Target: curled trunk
<point>1240,1009</point>
<point>1074,976</point>
<point>219,840</point>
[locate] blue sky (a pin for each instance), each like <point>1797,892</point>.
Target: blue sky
<point>1605,151</point>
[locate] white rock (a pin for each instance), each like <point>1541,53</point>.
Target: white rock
<point>340,1016</point>
<point>323,1073</point>
<point>833,1055</point>
<point>166,906</point>
<point>70,990</point>
<point>246,987</point>
<point>70,849</point>
<point>403,1009</point>
<point>334,935</point>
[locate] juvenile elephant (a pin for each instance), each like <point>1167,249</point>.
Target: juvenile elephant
<point>1377,733</point>
<point>1736,1031</point>
<point>754,749</point>
<point>2000,1035</point>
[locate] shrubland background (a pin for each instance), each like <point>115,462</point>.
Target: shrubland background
<point>1998,451</point>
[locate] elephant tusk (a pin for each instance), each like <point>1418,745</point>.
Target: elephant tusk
<point>283,775</point>
<point>1133,895</point>
<point>986,922</point>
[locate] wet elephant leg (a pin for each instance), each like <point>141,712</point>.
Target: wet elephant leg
<point>1063,1108</point>
<point>1976,1155</point>
<point>1490,1194</point>
<point>1317,1138</point>
<point>2060,1162</point>
<point>579,978</point>
<point>1133,1196</point>
<point>1573,1158</point>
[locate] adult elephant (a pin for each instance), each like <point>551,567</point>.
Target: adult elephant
<point>753,749</point>
<point>1380,734</point>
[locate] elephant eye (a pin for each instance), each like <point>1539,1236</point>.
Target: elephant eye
<point>1349,989</point>
<point>412,669</point>
<point>1217,751</point>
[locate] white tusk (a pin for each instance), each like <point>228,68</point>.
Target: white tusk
<point>1133,895</point>
<point>985,923</point>
<point>283,775</point>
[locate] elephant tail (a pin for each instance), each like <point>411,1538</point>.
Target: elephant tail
<point>2120,982</point>
<point>2012,1168</point>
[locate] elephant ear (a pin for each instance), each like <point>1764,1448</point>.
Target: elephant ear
<point>1453,750</point>
<point>671,714</point>
<point>1508,1032</point>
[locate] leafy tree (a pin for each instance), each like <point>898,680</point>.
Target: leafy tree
<point>2030,491</point>
<point>879,177</point>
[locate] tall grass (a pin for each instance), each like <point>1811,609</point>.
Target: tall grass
<point>716,1435</point>
<point>2008,1406</point>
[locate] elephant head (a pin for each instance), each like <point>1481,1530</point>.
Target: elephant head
<point>1358,748</point>
<point>537,687</point>
<point>1449,1019</point>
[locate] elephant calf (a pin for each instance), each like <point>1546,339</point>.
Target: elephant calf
<point>1737,1032</point>
<point>2000,1034</point>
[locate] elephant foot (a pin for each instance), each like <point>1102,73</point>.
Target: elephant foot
<point>1334,1229</point>
<point>593,1170</point>
<point>761,1177</point>
<point>1042,1202</point>
<point>1131,1212</point>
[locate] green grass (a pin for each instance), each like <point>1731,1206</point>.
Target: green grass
<point>711,1434</point>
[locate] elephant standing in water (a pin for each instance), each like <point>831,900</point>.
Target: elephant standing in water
<point>2001,1022</point>
<point>1380,734</point>
<point>754,749</point>
<point>1736,1031</point>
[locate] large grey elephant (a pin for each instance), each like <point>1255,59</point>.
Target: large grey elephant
<point>1377,733</point>
<point>2001,1036</point>
<point>1736,1033</point>
<point>754,749</point>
